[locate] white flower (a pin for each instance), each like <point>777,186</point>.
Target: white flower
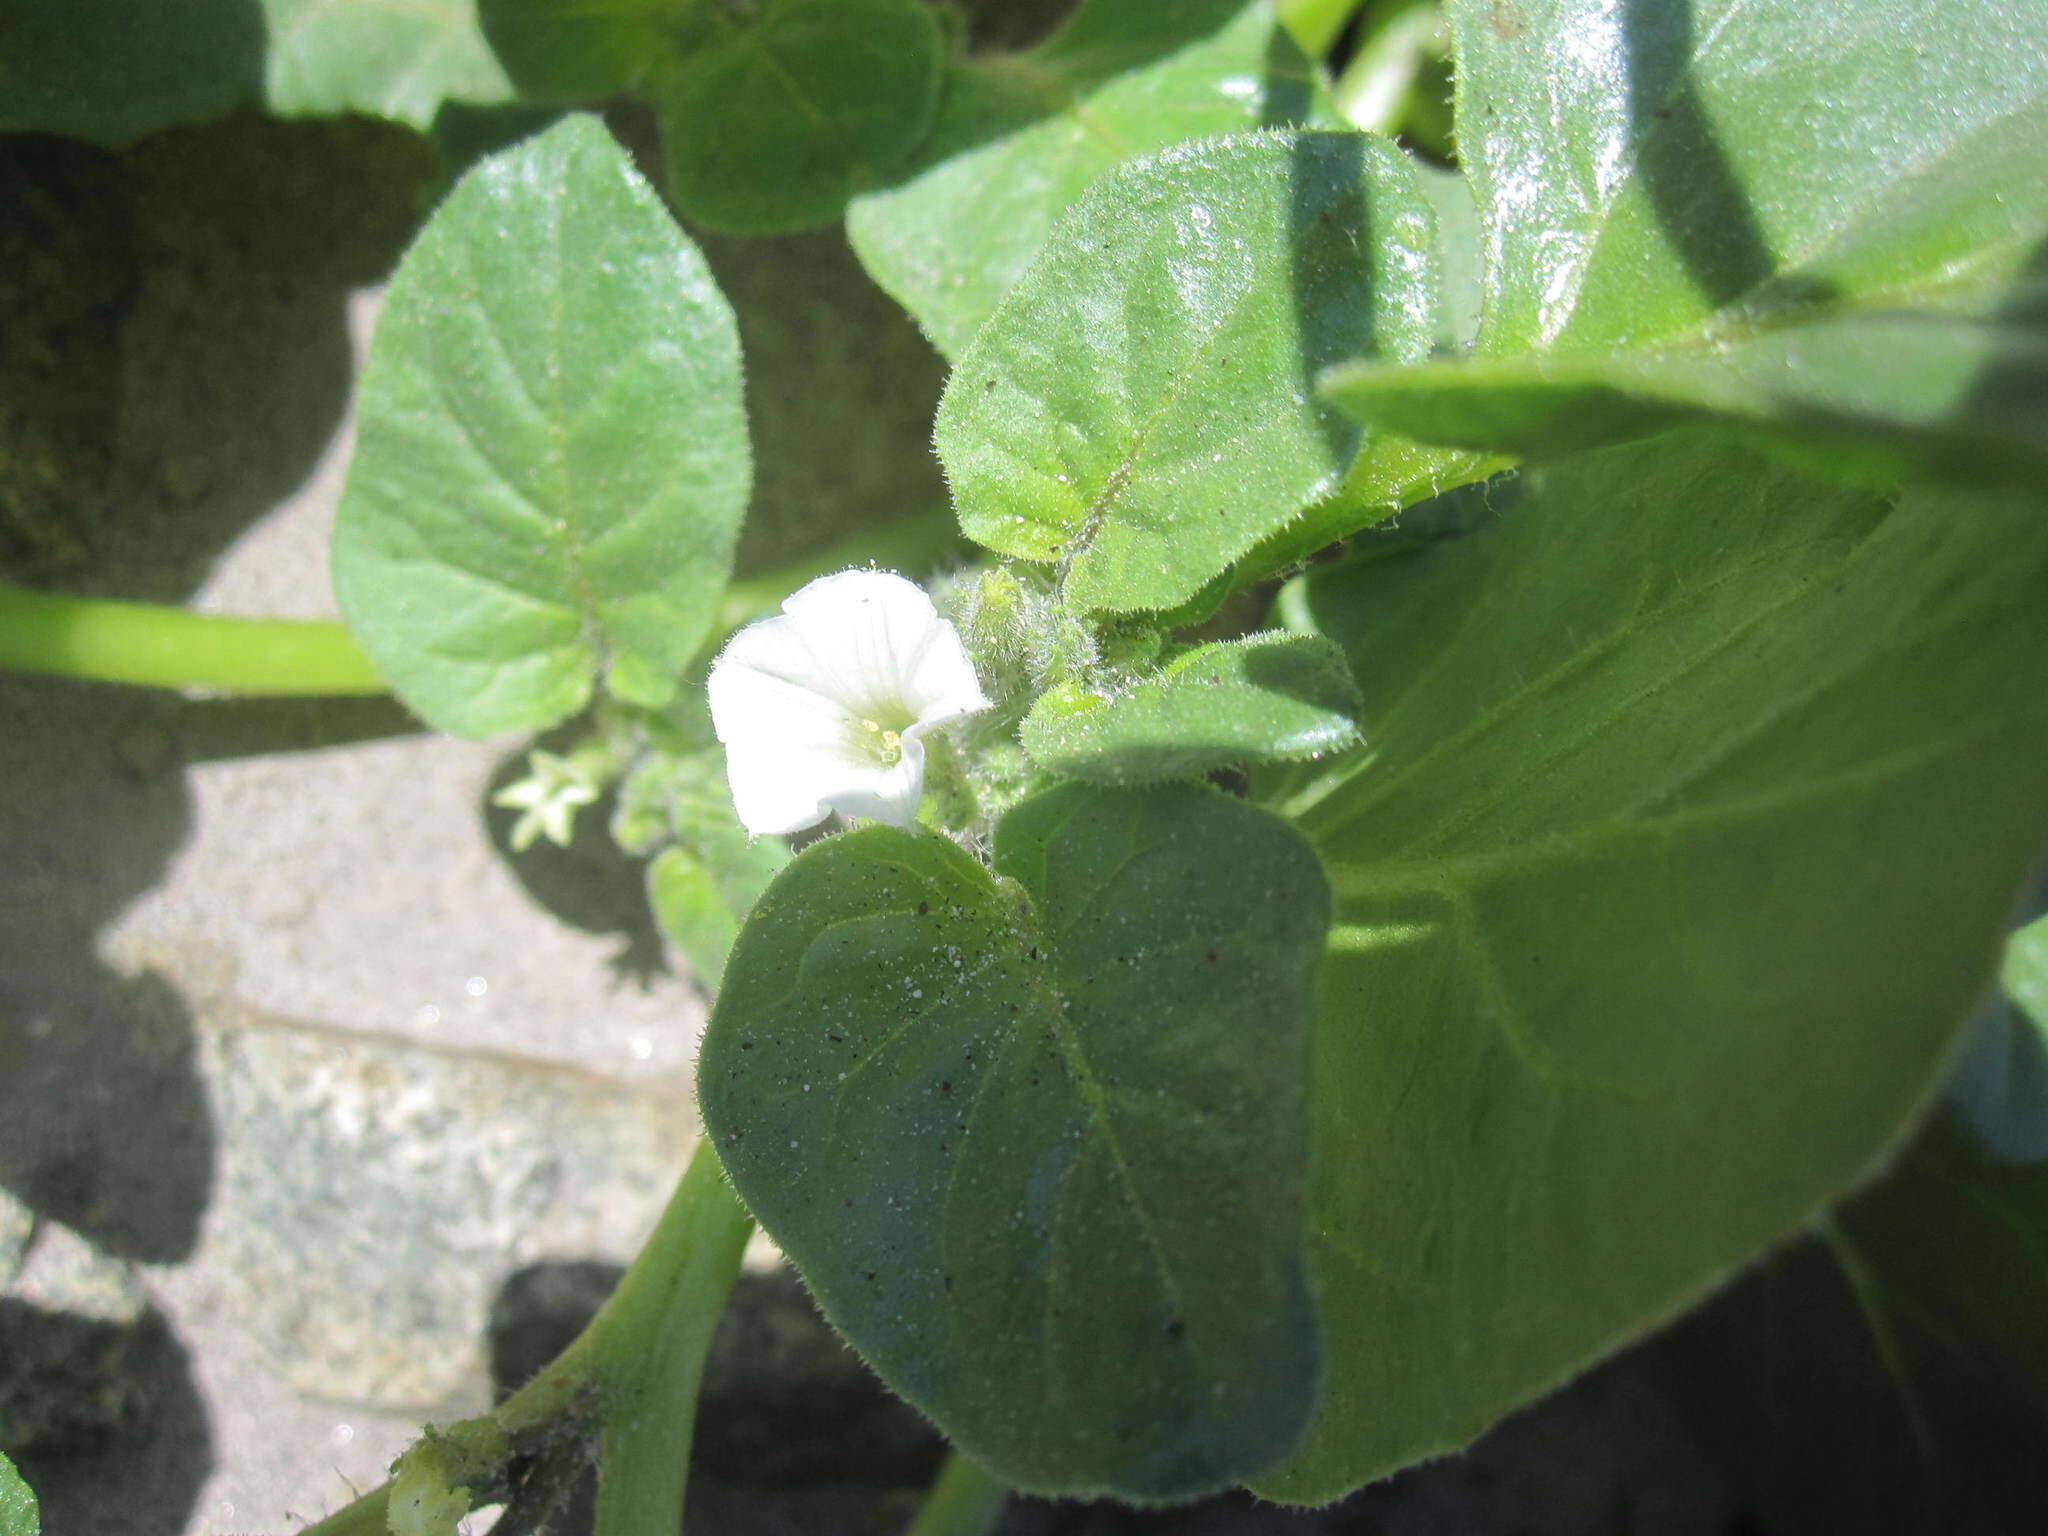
<point>548,798</point>
<point>824,707</point>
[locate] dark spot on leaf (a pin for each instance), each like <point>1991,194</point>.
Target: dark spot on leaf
<point>837,1039</point>
<point>746,1045</point>
<point>923,907</point>
<point>945,1086</point>
<point>1176,1328</point>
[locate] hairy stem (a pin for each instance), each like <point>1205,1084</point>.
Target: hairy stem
<point>635,1369</point>
<point>169,647</point>
<point>649,1348</point>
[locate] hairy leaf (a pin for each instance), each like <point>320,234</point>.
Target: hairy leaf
<point>1036,1141</point>
<point>1696,800</point>
<point>18,1515</point>
<point>1260,699</point>
<point>1821,220</point>
<point>1021,135</point>
<point>552,460</point>
<point>1139,408</point>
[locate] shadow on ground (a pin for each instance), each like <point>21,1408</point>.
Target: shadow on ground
<point>176,361</point>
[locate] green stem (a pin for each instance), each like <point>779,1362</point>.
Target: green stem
<point>1316,24</point>
<point>649,1346</point>
<point>965,1501</point>
<point>637,1366</point>
<point>170,647</point>
<point>1376,92</point>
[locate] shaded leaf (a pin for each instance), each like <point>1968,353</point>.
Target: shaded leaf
<point>552,463</point>
<point>1752,212</point>
<point>774,115</point>
<point>1218,706</point>
<point>1696,800</point>
<point>1020,135</point>
<point>986,1117</point>
<point>115,70</point>
<point>1139,407</point>
<point>1889,1376</point>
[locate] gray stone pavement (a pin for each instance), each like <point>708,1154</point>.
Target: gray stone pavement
<point>289,1034</point>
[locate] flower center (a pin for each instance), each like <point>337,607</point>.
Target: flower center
<point>881,743</point>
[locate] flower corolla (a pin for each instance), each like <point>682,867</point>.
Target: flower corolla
<point>825,707</point>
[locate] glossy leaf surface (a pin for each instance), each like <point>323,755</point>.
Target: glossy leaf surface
<point>1266,698</point>
<point>1824,221</point>
<point>987,1119</point>
<point>1139,409</point>
<point>1020,135</point>
<point>1689,782</point>
<point>552,460</point>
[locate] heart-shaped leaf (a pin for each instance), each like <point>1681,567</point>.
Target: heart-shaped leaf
<point>551,463</point>
<point>1698,797</point>
<point>1036,1140</point>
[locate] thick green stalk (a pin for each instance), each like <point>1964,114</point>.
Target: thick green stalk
<point>965,1501</point>
<point>649,1346</point>
<point>169,647</point>
<point>635,1369</point>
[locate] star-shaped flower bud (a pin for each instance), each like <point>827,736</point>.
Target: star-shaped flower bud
<point>825,707</point>
<point>548,798</point>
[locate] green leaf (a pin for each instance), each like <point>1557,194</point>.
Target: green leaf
<point>394,58</point>
<point>1891,1375</point>
<point>1036,1141</point>
<point>1820,220</point>
<point>775,114</point>
<point>1139,408</point>
<point>571,51</point>
<point>708,872</point>
<point>1021,135</point>
<point>1696,801</point>
<point>1240,701</point>
<point>115,70</point>
<point>1999,1085</point>
<point>18,1514</point>
<point>551,463</point>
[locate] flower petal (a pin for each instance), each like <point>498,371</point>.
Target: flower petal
<point>862,651</point>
